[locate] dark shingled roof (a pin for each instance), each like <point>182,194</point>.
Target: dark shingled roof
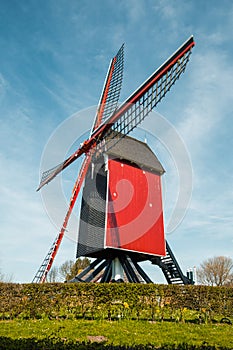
<point>136,152</point>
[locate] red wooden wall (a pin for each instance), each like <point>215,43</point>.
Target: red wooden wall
<point>134,210</point>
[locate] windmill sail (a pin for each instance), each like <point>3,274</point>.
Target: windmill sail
<point>134,110</point>
<point>111,91</point>
<point>46,265</point>
<point>108,103</point>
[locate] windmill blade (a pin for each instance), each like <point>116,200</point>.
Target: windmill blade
<point>107,105</point>
<point>46,265</point>
<point>111,90</point>
<point>134,110</point>
<point>50,174</point>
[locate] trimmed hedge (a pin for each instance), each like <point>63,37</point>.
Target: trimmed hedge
<point>57,344</point>
<point>112,301</point>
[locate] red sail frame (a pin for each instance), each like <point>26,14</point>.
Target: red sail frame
<point>109,88</point>
<point>121,114</point>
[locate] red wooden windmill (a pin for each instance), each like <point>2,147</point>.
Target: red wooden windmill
<point>121,220</point>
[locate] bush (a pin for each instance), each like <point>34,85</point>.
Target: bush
<point>58,344</point>
<point>114,301</point>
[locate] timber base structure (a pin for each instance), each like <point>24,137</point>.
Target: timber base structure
<point>124,267</point>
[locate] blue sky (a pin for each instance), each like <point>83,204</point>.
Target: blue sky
<point>54,58</point>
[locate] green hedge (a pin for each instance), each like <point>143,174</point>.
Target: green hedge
<point>57,344</point>
<point>113,301</point>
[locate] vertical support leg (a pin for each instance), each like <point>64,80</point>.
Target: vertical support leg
<point>81,275</point>
<point>117,270</point>
<point>131,275</point>
<point>107,273</point>
<point>96,271</point>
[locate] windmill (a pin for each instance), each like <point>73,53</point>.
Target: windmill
<point>109,155</point>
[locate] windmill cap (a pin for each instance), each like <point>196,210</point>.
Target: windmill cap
<point>135,151</point>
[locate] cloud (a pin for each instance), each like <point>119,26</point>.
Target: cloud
<point>208,109</point>
<point>205,122</point>
<point>3,87</point>
<point>135,10</point>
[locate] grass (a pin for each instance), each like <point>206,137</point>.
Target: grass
<point>123,332</point>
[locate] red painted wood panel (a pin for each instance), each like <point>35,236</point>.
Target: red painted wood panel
<point>135,214</point>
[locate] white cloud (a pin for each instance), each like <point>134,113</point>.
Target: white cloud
<point>205,120</point>
<point>135,10</point>
<point>211,95</point>
<point>3,87</point>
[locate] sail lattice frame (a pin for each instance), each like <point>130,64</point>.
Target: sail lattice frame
<point>137,111</point>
